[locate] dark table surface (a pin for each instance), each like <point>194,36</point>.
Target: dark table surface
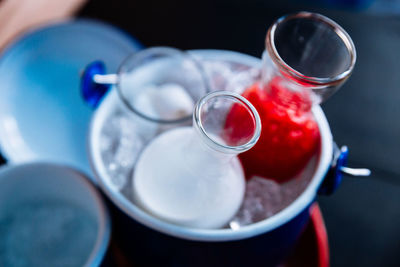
<point>363,216</point>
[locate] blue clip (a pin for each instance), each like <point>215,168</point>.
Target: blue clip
<point>93,92</point>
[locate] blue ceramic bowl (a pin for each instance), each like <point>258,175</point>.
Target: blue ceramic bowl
<point>23,184</point>
<point>150,241</point>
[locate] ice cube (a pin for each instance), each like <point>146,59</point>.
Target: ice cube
<point>262,200</point>
<point>121,141</point>
<point>242,80</point>
<point>109,133</point>
<point>230,75</point>
<point>294,187</point>
<point>265,198</point>
<point>219,73</point>
<point>118,175</point>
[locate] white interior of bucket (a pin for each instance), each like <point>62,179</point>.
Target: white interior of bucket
<point>122,200</point>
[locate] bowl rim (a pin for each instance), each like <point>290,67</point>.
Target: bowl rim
<point>211,235</point>
<point>99,249</point>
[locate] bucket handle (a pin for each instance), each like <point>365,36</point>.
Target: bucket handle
<point>95,83</point>
<point>339,167</point>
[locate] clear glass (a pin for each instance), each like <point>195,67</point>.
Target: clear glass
<point>210,122</point>
<point>307,58</point>
<point>161,84</point>
<point>157,89</point>
<point>191,176</point>
<point>309,51</point>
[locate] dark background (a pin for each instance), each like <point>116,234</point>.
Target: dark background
<point>363,216</point>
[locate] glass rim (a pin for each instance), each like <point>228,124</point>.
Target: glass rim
<point>197,123</point>
<point>163,50</point>
<point>317,81</point>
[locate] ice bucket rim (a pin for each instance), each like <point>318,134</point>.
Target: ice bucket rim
<point>213,235</point>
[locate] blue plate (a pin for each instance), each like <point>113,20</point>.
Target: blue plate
<point>42,114</point>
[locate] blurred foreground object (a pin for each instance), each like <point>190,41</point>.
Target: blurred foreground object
<point>19,16</point>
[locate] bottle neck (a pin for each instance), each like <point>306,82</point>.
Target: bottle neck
<point>213,161</point>
<point>284,90</point>
<point>200,147</point>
